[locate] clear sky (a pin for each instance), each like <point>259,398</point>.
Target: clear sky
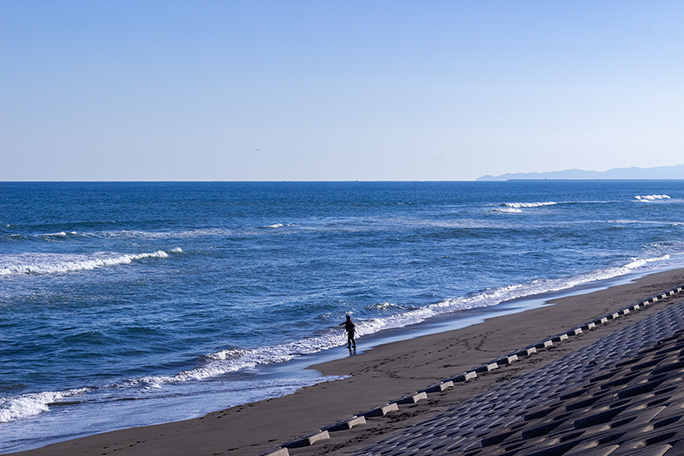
<point>337,89</point>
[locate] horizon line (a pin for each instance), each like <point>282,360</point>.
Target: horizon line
<point>541,179</point>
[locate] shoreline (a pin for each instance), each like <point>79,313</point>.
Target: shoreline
<point>384,373</point>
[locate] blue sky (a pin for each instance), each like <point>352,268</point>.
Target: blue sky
<point>336,89</point>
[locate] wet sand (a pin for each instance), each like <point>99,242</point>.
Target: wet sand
<point>384,374</point>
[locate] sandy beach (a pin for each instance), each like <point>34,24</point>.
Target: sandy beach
<point>384,374</point>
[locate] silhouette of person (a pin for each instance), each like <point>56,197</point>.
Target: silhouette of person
<point>350,327</point>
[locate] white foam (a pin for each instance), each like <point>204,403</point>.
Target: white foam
<point>61,234</point>
<point>232,360</point>
<point>385,306</point>
<point>637,263</point>
<point>496,296</point>
<point>48,263</point>
<point>226,361</point>
<point>508,210</point>
<point>648,198</point>
<point>280,225</point>
<point>161,234</point>
<point>529,205</point>
<point>26,405</point>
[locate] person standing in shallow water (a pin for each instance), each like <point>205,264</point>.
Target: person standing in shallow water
<point>350,327</point>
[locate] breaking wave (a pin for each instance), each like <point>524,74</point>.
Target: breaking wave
<point>508,210</point>
<point>278,225</point>
<point>529,205</point>
<point>161,234</point>
<point>25,405</point>
<point>648,198</point>
<point>60,235</point>
<point>46,263</point>
<point>235,359</point>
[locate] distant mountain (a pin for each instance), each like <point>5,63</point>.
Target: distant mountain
<point>660,172</point>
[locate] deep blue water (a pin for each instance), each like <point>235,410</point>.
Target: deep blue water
<point>188,296</point>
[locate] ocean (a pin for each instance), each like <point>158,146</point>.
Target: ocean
<point>126,304</point>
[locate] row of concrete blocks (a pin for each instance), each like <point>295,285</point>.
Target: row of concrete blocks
<point>674,367</point>
<point>346,424</point>
<point>660,296</point>
<point>349,423</point>
<point>626,310</point>
<point>469,413</point>
<point>322,434</point>
<point>500,400</point>
<point>547,343</point>
<point>504,400</point>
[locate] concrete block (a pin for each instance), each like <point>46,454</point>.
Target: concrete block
<point>601,321</point>
<point>635,307</point>
<point>588,326</point>
<point>276,452</point>
<point>625,312</point>
<point>464,377</point>
<point>438,387</point>
<point>496,439</point>
<point>560,338</point>
<point>412,398</point>
<point>613,316</point>
<point>636,447</point>
<point>470,375</point>
<point>574,331</point>
<point>595,419</point>
<point>381,411</point>
<point>594,449</point>
<point>654,299</point>
<point>308,439</point>
<point>346,424</point>
<point>526,351</point>
<point>544,344</point>
<point>486,367</point>
<point>506,360</point>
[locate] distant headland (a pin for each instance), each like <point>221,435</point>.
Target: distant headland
<point>660,172</point>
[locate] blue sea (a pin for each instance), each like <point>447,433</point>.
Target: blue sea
<point>125,304</point>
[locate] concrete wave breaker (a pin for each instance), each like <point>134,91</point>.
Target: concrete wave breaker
<point>622,395</point>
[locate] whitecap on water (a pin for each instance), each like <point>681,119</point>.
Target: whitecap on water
<point>648,198</point>
<point>47,263</point>
<point>26,405</point>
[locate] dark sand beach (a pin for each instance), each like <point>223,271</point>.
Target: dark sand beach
<point>388,373</point>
